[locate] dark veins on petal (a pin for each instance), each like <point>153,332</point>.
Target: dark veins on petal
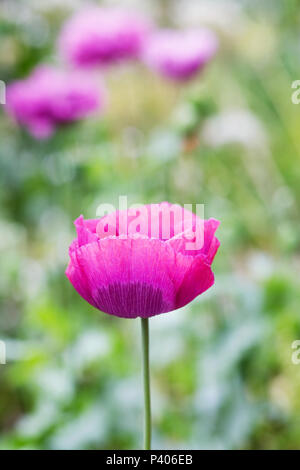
<point>130,299</point>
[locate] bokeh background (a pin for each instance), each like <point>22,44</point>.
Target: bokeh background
<point>222,374</point>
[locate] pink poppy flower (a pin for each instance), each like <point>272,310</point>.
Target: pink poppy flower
<point>102,36</point>
<point>50,97</point>
<point>143,262</point>
<point>180,55</point>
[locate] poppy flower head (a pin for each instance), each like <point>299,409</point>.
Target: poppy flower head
<point>144,261</point>
<point>103,36</point>
<point>50,97</point>
<point>180,55</point>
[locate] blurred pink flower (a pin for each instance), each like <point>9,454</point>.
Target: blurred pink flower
<point>102,36</point>
<point>50,97</point>
<point>180,55</point>
<point>137,263</point>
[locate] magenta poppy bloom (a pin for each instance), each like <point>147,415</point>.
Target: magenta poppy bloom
<point>102,36</point>
<point>180,55</point>
<point>50,97</point>
<point>143,262</point>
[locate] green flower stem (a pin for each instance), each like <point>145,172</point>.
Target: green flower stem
<point>146,380</point>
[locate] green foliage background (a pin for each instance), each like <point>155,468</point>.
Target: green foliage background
<point>222,375</point>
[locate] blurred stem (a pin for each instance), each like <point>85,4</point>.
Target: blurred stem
<point>165,11</point>
<point>146,381</point>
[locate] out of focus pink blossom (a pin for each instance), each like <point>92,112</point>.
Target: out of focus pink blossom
<point>102,36</point>
<point>50,97</point>
<point>180,55</point>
